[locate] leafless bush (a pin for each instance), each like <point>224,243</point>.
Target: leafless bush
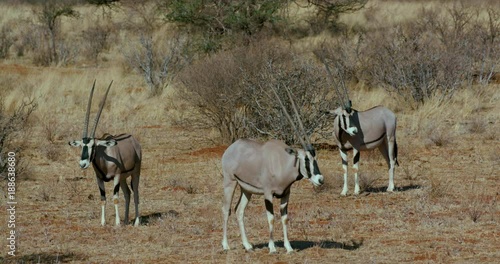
<point>48,16</point>
<point>367,181</point>
<point>6,40</point>
<point>328,12</point>
<point>10,125</point>
<point>96,40</point>
<point>158,62</point>
<point>438,188</point>
<point>477,126</point>
<point>232,90</point>
<point>437,54</point>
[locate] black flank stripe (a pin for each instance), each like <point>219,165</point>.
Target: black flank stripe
<point>383,135</point>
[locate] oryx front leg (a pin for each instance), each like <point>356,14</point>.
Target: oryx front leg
<point>240,212</point>
<point>284,221</point>
<point>102,190</point>
<point>343,155</point>
<point>270,221</point>
<point>355,167</point>
<point>116,189</point>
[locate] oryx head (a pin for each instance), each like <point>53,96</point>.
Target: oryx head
<point>308,166</point>
<point>344,114</point>
<point>89,143</point>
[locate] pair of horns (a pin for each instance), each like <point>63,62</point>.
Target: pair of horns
<point>343,96</point>
<point>302,136</point>
<point>87,115</point>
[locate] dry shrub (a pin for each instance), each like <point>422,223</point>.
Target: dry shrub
<point>12,124</point>
<point>95,41</point>
<point>367,182</point>
<point>477,126</point>
<point>233,90</point>
<point>436,54</point>
<point>6,40</point>
<point>438,188</point>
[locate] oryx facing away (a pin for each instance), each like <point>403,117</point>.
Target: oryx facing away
<point>373,128</point>
<point>267,169</point>
<point>113,158</point>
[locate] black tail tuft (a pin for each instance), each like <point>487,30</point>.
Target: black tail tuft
<point>396,152</point>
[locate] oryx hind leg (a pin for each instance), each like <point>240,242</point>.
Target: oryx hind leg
<point>126,194</point>
<point>134,184</point>
<point>387,150</point>
<point>229,187</point>
<point>343,155</point>
<point>116,189</point>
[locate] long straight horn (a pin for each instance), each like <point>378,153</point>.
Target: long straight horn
<point>86,122</point>
<point>301,126</point>
<point>289,118</point>
<point>101,105</point>
<point>330,77</point>
<point>347,102</point>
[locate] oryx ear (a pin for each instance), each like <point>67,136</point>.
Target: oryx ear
<point>75,143</point>
<point>106,143</point>
<point>291,151</point>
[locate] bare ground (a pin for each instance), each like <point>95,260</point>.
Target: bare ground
<point>445,209</point>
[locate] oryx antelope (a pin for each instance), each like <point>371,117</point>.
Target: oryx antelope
<point>113,158</point>
<point>267,169</point>
<point>373,128</point>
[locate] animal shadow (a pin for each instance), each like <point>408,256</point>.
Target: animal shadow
<point>397,189</point>
<point>153,217</point>
<point>300,245</point>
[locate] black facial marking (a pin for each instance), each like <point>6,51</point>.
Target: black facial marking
<point>308,166</point>
<point>85,153</point>
<point>85,140</point>
<point>316,168</point>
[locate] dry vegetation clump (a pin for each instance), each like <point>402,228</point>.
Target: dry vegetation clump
<point>232,91</point>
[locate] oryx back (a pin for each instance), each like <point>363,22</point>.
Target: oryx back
<point>375,126</point>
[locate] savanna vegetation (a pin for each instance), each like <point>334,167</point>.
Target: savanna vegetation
<point>192,76</point>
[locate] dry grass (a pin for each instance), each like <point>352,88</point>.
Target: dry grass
<point>434,216</point>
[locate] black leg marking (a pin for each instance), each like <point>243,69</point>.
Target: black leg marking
<point>356,158</point>
<point>116,189</point>
<point>269,206</point>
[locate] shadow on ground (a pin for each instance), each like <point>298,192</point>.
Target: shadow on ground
<point>397,189</point>
<point>54,257</point>
<point>150,218</point>
<point>302,245</point>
